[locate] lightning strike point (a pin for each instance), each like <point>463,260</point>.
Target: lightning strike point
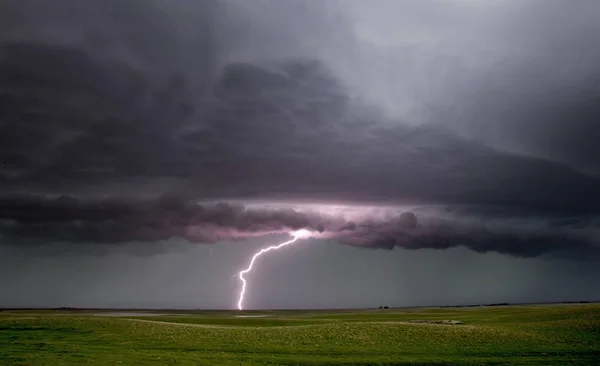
<point>298,234</point>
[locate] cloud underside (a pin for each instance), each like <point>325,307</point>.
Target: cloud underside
<point>34,220</point>
<point>218,101</point>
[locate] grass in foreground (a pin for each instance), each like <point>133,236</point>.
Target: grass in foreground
<point>542,335</point>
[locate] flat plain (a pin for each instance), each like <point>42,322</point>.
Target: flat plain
<point>504,335</point>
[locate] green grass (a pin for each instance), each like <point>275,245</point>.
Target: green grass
<point>519,335</point>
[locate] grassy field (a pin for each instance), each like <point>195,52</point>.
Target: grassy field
<point>516,335</point>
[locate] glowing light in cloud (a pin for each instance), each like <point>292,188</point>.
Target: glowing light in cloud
<point>298,234</point>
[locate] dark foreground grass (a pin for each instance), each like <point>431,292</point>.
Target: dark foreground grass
<point>543,335</point>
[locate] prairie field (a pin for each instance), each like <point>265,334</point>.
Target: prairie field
<point>504,335</point>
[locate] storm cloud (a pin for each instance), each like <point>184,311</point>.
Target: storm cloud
<point>109,221</point>
<point>474,106</point>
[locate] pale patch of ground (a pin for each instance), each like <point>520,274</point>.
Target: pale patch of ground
<point>251,316</point>
<point>448,322</point>
<point>180,324</point>
<point>127,313</point>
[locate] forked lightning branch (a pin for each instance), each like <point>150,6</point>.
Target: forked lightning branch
<point>300,234</point>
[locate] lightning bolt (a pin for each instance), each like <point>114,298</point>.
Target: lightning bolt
<point>300,234</point>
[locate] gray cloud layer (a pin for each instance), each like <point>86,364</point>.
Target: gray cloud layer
<point>482,106</point>
<point>65,219</point>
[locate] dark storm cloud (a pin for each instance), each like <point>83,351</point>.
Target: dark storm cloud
<point>116,221</point>
<point>216,100</point>
<point>31,219</point>
<point>289,131</point>
<point>517,75</point>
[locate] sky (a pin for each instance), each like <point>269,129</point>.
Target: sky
<point>438,151</point>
